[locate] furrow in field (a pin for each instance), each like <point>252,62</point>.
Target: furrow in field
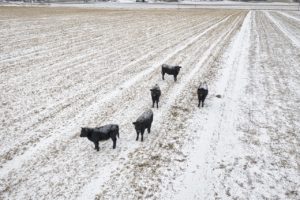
<point>64,44</point>
<point>49,24</point>
<point>288,28</point>
<point>295,14</point>
<point>82,25</point>
<point>289,24</point>
<point>24,45</point>
<point>290,16</point>
<point>29,25</point>
<point>16,49</point>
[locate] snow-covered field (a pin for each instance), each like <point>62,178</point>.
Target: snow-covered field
<point>66,68</point>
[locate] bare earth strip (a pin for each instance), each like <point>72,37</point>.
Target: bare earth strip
<point>64,68</point>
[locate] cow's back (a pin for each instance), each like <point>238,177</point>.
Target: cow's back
<point>146,117</point>
<point>103,132</point>
<point>155,92</point>
<point>202,92</point>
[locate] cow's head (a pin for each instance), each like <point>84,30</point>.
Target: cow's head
<point>84,132</point>
<point>155,88</point>
<point>200,85</point>
<point>177,68</point>
<point>205,85</point>
<point>137,125</point>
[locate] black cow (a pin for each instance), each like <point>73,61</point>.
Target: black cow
<point>101,133</point>
<point>202,93</point>
<point>155,94</point>
<point>172,70</point>
<point>143,122</point>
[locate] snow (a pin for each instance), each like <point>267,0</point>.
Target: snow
<point>289,16</point>
<point>220,120</point>
<point>295,38</point>
<point>66,68</point>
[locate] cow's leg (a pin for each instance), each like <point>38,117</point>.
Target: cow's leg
<point>142,134</point>
<point>153,102</point>
<point>199,101</point>
<point>175,77</point>
<point>114,142</point>
<point>157,103</point>
<point>96,145</point>
<point>149,128</point>
<point>202,103</point>
<point>163,75</point>
<point>137,135</point>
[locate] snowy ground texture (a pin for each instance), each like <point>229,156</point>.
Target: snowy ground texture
<point>65,68</point>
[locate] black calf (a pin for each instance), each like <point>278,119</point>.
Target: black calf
<point>143,122</point>
<point>172,70</point>
<point>101,133</point>
<point>202,93</point>
<point>155,94</point>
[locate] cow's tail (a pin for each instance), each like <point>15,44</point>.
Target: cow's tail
<point>118,131</point>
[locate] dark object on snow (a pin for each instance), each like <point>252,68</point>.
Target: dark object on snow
<point>143,122</point>
<point>172,70</point>
<point>155,94</point>
<point>202,93</point>
<point>218,96</point>
<point>101,133</point>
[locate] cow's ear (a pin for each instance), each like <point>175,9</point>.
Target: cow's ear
<point>179,66</point>
<point>134,123</point>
